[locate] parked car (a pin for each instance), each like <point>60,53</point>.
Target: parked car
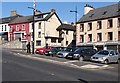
<point>53,51</point>
<point>106,56</point>
<point>64,52</point>
<point>42,50</point>
<point>81,54</point>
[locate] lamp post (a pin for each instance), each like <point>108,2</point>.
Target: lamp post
<point>75,11</point>
<point>33,27</point>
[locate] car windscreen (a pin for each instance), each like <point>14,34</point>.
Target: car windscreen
<point>67,49</point>
<point>104,52</point>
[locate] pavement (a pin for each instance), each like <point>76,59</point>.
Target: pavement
<point>72,63</point>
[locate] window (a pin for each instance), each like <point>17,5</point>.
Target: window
<point>81,38</point>
<point>89,26</point>
<point>39,34</point>
<point>5,27</point>
<point>118,22</point>
<point>118,35</point>
<point>2,27</point>
<point>99,24</point>
<point>81,27</point>
<point>59,40</point>
<point>66,42</point>
<point>39,26</point>
<point>53,40</point>
<point>99,36</point>
<point>110,23</point>
<point>67,32</point>
<point>89,37</point>
<point>38,43</point>
<point>17,28</point>
<point>23,27</point>
<point>110,36</point>
<point>11,29</point>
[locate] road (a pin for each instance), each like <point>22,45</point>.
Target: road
<point>15,68</point>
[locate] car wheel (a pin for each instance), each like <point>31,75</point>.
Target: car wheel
<point>106,61</point>
<point>81,58</point>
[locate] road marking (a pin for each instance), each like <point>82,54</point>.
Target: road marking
<point>90,66</point>
<point>71,61</point>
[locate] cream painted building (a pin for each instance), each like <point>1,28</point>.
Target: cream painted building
<point>46,25</point>
<point>99,28</point>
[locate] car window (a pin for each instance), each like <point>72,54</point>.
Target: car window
<point>116,53</point>
<point>103,52</point>
<point>112,53</point>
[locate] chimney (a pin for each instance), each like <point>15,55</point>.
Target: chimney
<point>53,10</point>
<point>37,12</point>
<point>87,8</point>
<point>13,13</point>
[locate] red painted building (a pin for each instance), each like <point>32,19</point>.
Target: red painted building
<point>19,28</point>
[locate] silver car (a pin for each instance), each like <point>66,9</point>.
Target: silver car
<point>106,56</point>
<point>65,52</point>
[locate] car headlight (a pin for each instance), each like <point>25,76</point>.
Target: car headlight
<point>76,54</point>
<point>50,52</point>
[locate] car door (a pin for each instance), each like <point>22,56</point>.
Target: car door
<point>112,56</point>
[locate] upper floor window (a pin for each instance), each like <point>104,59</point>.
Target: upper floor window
<point>5,27</point>
<point>81,38</point>
<point>39,26</point>
<point>110,36</point>
<point>118,22</point>
<point>17,28</point>
<point>99,24</point>
<point>89,26</point>
<point>23,27</point>
<point>89,37</point>
<point>67,32</point>
<point>99,37</point>
<point>2,27</point>
<point>53,40</point>
<point>81,27</point>
<point>110,23</point>
<point>39,34</point>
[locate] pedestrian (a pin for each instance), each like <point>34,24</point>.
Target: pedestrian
<point>28,48</point>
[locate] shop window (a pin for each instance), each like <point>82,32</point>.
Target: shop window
<point>53,40</point>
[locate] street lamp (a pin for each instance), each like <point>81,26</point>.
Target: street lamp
<point>75,11</point>
<point>33,27</point>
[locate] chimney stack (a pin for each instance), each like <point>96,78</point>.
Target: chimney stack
<point>88,8</point>
<point>53,10</point>
<point>13,13</point>
<point>37,12</point>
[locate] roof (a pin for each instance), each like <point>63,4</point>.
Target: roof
<point>22,19</point>
<point>8,19</point>
<point>49,14</point>
<point>66,27</point>
<point>101,13</point>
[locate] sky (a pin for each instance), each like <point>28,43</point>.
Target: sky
<point>62,8</point>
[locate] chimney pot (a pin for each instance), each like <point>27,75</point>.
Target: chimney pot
<point>13,13</point>
<point>53,10</point>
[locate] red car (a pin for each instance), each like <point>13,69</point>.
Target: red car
<point>42,50</point>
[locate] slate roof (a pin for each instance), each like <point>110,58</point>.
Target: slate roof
<point>101,13</point>
<point>22,19</point>
<point>66,27</point>
<point>8,19</point>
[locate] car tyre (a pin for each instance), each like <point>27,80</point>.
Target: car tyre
<point>81,58</point>
<point>106,61</point>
